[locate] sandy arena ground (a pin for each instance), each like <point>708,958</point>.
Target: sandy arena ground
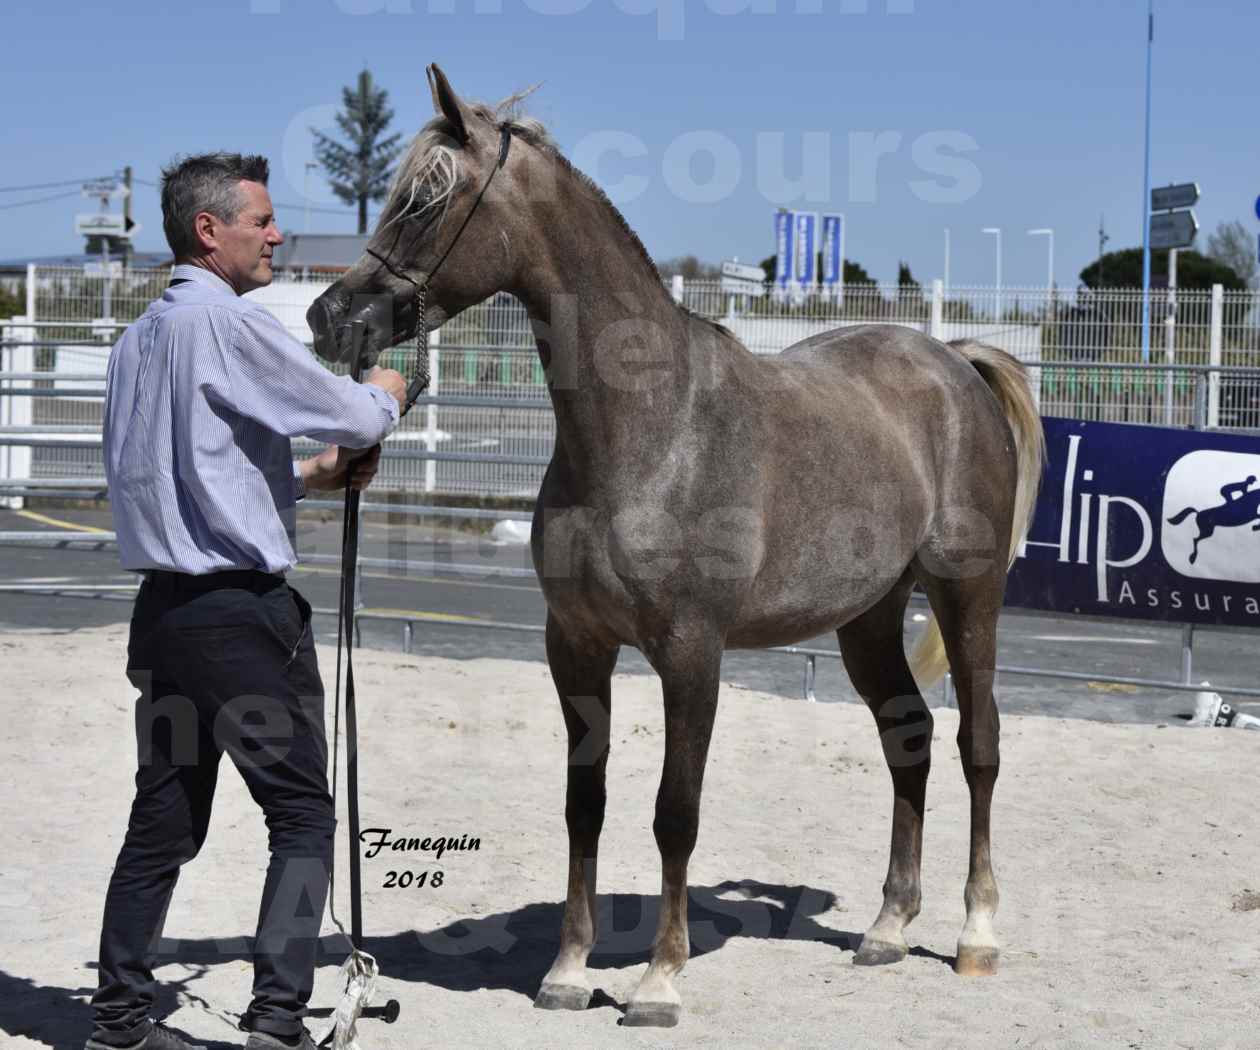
<point>1126,857</point>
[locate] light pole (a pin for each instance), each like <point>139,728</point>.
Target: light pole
<point>306,194</point>
<point>1047,232</point>
<point>997,298</point>
<point>1146,193</point>
<point>946,282</point>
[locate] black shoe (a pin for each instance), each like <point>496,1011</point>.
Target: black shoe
<point>266,1041</point>
<point>159,1037</point>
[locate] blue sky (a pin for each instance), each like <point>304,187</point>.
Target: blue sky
<point>1017,114</point>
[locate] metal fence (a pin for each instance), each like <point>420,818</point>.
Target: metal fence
<point>486,430</point>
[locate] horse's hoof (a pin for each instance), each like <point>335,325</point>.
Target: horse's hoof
<point>878,953</point>
<point>562,997</point>
<point>652,1015</point>
<point>976,961</point>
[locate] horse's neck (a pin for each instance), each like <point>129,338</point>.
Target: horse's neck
<point>618,351</point>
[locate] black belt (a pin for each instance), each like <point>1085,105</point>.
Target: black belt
<point>240,579</point>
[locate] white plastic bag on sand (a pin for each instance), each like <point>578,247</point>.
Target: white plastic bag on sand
<point>358,973</point>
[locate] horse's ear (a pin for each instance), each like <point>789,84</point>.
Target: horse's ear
<point>446,102</point>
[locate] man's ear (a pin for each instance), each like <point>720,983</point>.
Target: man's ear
<point>447,103</point>
<point>206,230</point>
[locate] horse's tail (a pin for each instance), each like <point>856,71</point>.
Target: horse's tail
<point>1177,519</point>
<point>1009,382</point>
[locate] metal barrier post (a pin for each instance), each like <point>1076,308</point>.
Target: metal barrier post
<point>1187,652</point>
<point>15,461</point>
<point>1216,342</point>
<point>1170,338</point>
<point>431,412</point>
<point>937,329</point>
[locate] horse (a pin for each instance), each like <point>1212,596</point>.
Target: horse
<point>1240,506</point>
<point>700,498</point>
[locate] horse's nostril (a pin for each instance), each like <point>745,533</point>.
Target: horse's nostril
<point>317,318</point>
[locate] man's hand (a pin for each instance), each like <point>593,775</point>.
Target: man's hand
<point>390,381</point>
<point>329,469</point>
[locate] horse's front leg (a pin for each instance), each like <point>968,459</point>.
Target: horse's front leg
<point>689,662</point>
<point>582,673</point>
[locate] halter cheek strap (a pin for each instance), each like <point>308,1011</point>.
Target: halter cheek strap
<point>420,377</point>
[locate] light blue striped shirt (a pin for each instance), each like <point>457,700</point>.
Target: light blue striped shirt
<point>202,394</point>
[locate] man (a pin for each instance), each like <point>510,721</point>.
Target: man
<point>203,394</point>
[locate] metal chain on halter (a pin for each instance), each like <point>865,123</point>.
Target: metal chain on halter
<point>420,371</point>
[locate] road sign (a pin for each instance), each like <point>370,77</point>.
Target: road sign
<point>105,188</point>
<point>743,272</point>
<point>1184,195</point>
<point>102,222</point>
<point>741,286</point>
<point>97,270</point>
<point>1173,229</point>
<point>1258,207</point>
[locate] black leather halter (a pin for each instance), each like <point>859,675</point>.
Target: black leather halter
<point>420,378</point>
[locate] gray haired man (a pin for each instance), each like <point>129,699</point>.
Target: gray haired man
<point>203,393</point>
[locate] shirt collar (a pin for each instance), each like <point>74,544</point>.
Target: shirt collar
<point>199,274</point>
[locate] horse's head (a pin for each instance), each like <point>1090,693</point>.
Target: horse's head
<point>446,227</point>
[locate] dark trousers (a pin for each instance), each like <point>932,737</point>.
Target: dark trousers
<point>224,663</point>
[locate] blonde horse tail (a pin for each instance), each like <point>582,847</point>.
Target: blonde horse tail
<point>1009,382</point>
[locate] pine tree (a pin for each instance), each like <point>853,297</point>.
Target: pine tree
<point>360,172</point>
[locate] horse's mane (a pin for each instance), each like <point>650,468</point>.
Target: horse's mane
<point>430,173</point>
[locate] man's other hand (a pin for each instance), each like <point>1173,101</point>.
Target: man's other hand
<point>390,381</point>
<point>330,468</point>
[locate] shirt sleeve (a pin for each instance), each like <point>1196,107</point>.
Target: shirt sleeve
<point>277,382</point>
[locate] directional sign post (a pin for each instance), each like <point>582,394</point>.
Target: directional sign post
<point>1172,225</point>
<point>1166,198</point>
<point>1173,229</point>
<point>741,279</point>
<point>743,272</point>
<point>102,223</point>
<point>96,270</point>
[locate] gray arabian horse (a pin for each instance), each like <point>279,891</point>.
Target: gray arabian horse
<point>701,498</point>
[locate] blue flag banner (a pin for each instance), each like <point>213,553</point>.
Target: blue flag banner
<point>783,230</point>
<point>832,229</point>
<point>806,248</point>
<point>1144,522</point>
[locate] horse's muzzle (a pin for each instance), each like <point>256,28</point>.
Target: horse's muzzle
<point>341,331</point>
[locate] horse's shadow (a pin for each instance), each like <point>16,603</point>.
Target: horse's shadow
<point>509,950</point>
<point>513,950</point>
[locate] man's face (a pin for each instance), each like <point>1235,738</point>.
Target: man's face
<point>243,253</point>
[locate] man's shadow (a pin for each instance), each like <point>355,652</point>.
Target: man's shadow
<point>61,1018</point>
<point>505,951</point>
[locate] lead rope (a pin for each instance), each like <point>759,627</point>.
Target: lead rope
<point>360,970</point>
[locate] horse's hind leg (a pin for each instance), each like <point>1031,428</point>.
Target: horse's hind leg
<point>967,611</point>
<point>582,672</point>
<point>875,658</point>
<point>1205,531</point>
<point>689,663</point>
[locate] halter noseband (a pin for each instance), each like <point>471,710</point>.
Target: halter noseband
<point>420,378</point>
